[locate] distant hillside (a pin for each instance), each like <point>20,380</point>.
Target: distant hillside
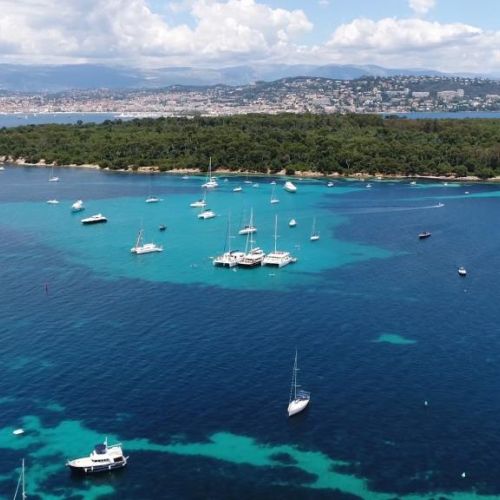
<point>91,76</point>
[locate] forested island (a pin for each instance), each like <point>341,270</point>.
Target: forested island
<point>327,144</point>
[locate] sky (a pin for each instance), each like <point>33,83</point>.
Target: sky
<point>446,35</point>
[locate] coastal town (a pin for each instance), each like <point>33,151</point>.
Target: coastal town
<point>397,94</point>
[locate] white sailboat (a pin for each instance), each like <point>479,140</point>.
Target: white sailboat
<point>248,228</point>
<point>298,400</point>
<point>253,256</point>
<point>152,198</point>
<point>278,258</point>
<point>274,199</point>
<point>140,247</point>
<point>314,234</point>
<point>53,178</point>
<point>200,203</point>
<point>21,487</point>
<point>229,258</point>
<point>210,182</point>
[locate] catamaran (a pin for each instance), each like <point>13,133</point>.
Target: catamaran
<point>211,181</point>
<point>253,256</point>
<point>298,400</point>
<point>277,258</point>
<point>140,247</point>
<point>207,214</point>
<point>229,258</point>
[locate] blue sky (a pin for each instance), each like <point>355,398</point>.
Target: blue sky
<point>446,35</point>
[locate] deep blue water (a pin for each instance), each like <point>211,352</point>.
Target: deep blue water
<point>189,366</point>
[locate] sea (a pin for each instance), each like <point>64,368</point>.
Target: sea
<point>189,366</point>
<point>21,119</point>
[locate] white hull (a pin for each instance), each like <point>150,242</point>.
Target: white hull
<point>77,206</point>
<point>314,237</point>
<point>153,200</point>
<point>247,230</point>
<point>290,187</point>
<point>53,202</point>
<point>208,214</point>
<point>198,204</point>
<point>296,406</point>
<point>228,259</point>
<point>147,248</point>
<point>278,259</point>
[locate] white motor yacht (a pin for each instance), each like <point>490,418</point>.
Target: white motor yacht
<point>140,247</point>
<point>292,223</point>
<point>152,199</point>
<point>290,187</point>
<point>237,189</point>
<point>198,204</point>
<point>53,202</point>
<point>462,271</point>
<point>94,219</point>
<point>103,458</point>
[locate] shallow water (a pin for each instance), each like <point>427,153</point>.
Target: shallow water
<point>189,366</point>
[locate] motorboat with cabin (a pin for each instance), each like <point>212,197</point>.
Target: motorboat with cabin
<point>94,219</point>
<point>292,223</point>
<point>462,271</point>
<point>290,187</point>
<point>103,458</point>
<point>424,234</point>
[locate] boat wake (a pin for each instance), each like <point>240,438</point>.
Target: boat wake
<point>383,210</point>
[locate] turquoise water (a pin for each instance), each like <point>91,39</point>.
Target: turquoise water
<point>189,366</point>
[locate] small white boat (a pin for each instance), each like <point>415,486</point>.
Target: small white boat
<point>255,185</point>
<point>237,189</point>
<point>53,202</point>
<point>198,204</point>
<point>273,183</point>
<point>413,183</point>
<point>314,234</point>
<point>248,228</point>
<point>53,178</point>
<point>103,458</point>
<point>462,271</point>
<point>274,199</point>
<point>140,247</point>
<point>18,432</point>
<point>2,168</point>
<point>77,206</point>
<point>292,223</point>
<point>298,400</point>
<point>368,185</point>
<point>277,258</point>
<point>152,199</point>
<point>185,177</point>
<point>207,214</point>
<point>330,184</point>
<point>210,182</point>
<point>94,219</point>
<point>290,187</point>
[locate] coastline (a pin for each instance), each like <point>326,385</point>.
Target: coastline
<point>304,174</point>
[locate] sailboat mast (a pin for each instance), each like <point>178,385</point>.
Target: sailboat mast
<point>275,232</point>
<point>23,493</point>
<point>295,375</point>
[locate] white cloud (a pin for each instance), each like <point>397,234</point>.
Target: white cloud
<point>422,6</point>
<point>128,31</point>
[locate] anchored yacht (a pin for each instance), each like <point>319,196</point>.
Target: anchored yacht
<point>103,458</point>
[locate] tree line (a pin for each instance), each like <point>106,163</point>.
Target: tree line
<point>346,144</point>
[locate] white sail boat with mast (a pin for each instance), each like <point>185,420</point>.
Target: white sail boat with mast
<point>53,178</point>
<point>21,484</point>
<point>274,199</point>
<point>298,400</point>
<point>229,258</point>
<point>314,234</point>
<point>210,182</point>
<point>277,258</point>
<point>253,256</point>
<point>140,247</point>
<point>201,203</point>
<point>248,228</point>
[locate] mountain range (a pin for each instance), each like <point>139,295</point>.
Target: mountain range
<point>46,78</point>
